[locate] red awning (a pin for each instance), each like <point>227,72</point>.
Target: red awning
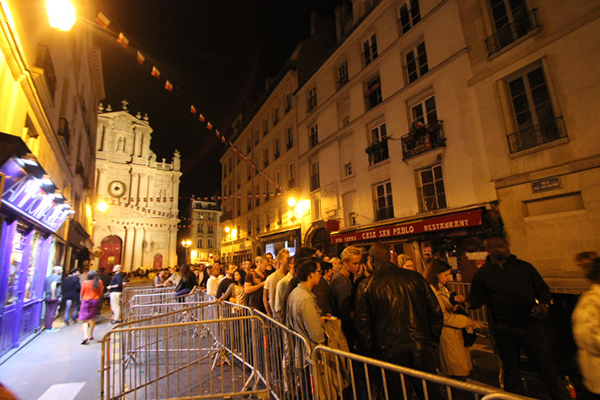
<point>436,223</point>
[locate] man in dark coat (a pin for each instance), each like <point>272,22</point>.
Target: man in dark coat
<point>71,288</point>
<point>398,320</point>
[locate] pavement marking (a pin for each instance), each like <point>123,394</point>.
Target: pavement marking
<point>63,391</point>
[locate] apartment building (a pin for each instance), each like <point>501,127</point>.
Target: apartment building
<point>206,232</point>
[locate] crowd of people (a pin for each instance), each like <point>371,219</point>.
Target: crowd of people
<point>387,310</point>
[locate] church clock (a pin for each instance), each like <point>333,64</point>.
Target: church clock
<point>116,189</point>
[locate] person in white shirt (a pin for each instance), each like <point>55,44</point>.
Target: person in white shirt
<point>270,289</point>
<point>213,282</point>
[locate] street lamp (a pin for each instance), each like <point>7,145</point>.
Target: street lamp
<point>187,243</point>
<point>61,14</point>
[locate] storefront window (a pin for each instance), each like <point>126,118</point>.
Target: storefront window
<point>18,247</point>
<point>33,259</point>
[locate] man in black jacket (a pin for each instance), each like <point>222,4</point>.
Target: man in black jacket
<point>71,289</point>
<point>518,299</point>
<point>398,320</point>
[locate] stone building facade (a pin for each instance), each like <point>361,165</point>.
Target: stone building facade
<point>139,227</point>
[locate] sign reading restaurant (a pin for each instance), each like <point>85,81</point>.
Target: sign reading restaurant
<point>463,219</point>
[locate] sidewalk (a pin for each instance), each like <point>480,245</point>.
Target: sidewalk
<point>55,365</point>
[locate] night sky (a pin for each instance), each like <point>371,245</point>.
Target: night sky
<point>217,54</point>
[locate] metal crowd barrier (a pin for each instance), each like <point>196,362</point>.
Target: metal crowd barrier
<point>480,314</point>
<point>130,291</point>
<point>185,360</point>
<point>198,350</point>
<point>339,374</point>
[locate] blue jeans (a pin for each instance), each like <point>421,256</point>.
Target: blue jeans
<point>75,304</point>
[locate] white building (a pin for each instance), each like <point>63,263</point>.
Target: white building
<point>139,227</point>
<point>205,232</point>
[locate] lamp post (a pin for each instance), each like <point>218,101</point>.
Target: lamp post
<point>186,243</point>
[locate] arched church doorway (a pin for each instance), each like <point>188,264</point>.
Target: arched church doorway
<point>111,246</point>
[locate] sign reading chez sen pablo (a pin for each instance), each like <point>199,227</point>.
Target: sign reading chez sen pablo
<point>450,221</point>
<point>23,194</point>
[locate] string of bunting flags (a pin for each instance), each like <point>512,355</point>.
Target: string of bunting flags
<point>103,21</point>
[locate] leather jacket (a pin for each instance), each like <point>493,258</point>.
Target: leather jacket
<point>396,311</point>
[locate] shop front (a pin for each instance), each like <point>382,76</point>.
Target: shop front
<point>31,212</point>
<point>274,242</point>
<point>455,236</point>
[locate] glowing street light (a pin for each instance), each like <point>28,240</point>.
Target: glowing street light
<point>292,202</point>
<point>102,206</point>
<point>61,14</point>
<point>187,243</point>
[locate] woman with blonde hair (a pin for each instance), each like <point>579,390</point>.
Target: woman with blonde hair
<point>455,358</point>
<point>406,262</point>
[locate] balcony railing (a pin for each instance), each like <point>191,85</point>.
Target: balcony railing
<point>289,145</point>
<point>423,139</point>
<point>384,212</point>
<point>511,32</point>
<point>378,151</point>
<point>291,183</point>
<point>537,135</point>
<point>63,130</point>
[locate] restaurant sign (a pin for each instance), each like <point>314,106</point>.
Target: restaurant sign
<point>24,195</point>
<point>433,224</point>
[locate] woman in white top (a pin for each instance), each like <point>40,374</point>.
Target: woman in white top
<point>213,282</point>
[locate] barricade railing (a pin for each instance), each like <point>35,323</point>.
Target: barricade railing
<point>168,313</point>
<point>463,288</point>
<point>185,360</point>
<point>130,291</point>
<point>288,355</point>
<point>339,374</point>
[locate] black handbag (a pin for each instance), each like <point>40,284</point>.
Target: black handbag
<point>469,334</point>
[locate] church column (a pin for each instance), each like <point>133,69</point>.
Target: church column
<point>135,183</point>
<point>137,247</point>
<point>144,250</point>
<point>135,141</point>
<point>128,248</point>
<point>172,246</point>
<point>100,181</point>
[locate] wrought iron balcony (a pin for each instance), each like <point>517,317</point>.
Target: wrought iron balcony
<point>537,135</point>
<point>423,139</point>
<point>378,151</point>
<point>384,212</point>
<point>511,32</point>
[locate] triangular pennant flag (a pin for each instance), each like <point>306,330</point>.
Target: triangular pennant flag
<point>217,131</point>
<point>123,40</point>
<point>102,20</point>
<point>140,58</point>
<point>209,126</point>
<point>193,110</point>
<point>169,86</point>
<point>155,72</point>
<point>201,118</point>
<point>223,139</point>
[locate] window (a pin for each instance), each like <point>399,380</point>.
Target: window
<point>313,136</point>
<point>249,172</point>
<point>511,22</point>
<point>257,195</point>
<point>316,209</point>
<point>348,169</point>
<point>292,174</point>
<point>416,62</point>
<point>342,73</point>
<point>249,226</point>
<point>44,61</point>
<point>410,15</point>
<point>373,93</point>
<point>533,111</point>
<point>424,112</point>
<point>370,50</point>
<point>201,228</point>
<point>265,127</point>
<point>290,138</point>
<point>210,243</point>
<point>267,196</point>
<point>256,137</point>
<point>277,153</point>
<point>275,115</point>
<point>211,228</point>
<point>278,179</point>
<point>200,244</point>
<point>432,193</point>
<point>314,176</point>
<point>384,205</point>
<point>249,200</point>
<point>266,158</point>
<point>238,180</point>
<point>312,99</point>
<point>248,146</point>
<point>239,206</point>
<point>378,146</point>
<point>352,218</point>
<point>288,102</point>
